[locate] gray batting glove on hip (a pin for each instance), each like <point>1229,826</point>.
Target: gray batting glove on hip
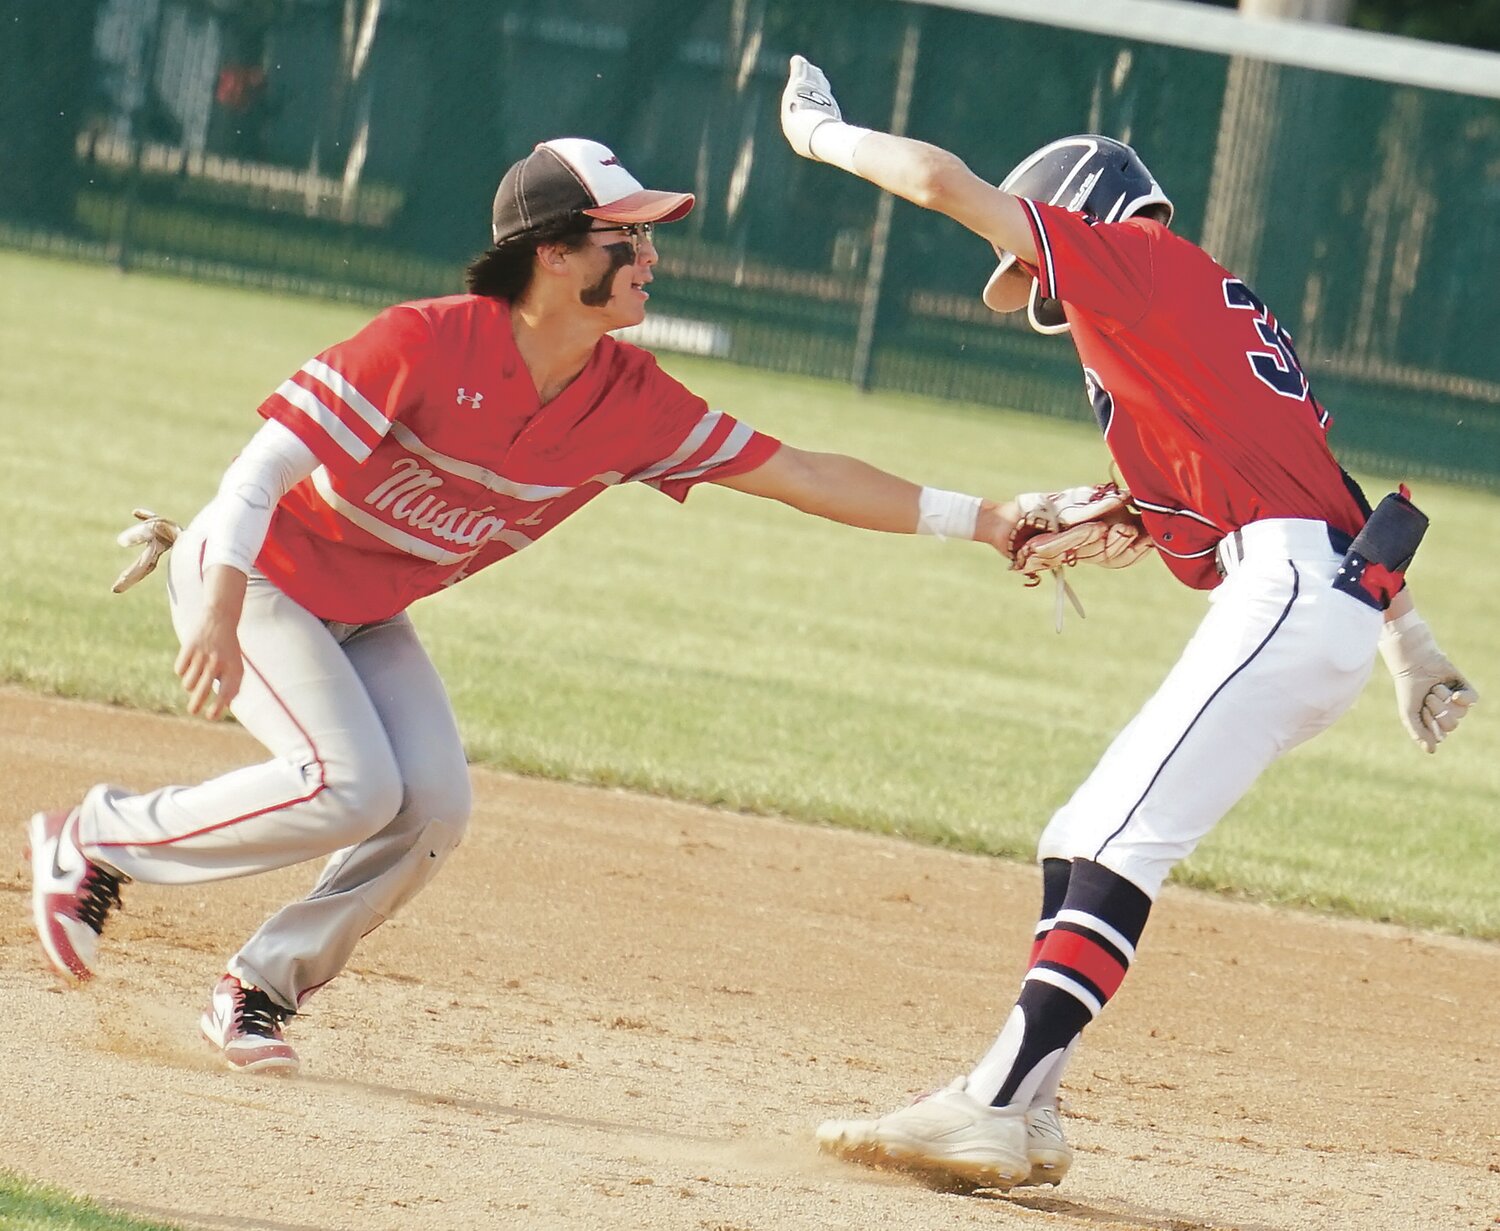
<point>1432,696</point>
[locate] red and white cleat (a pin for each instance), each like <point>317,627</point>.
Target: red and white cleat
<point>71,896</point>
<point>243,1025</point>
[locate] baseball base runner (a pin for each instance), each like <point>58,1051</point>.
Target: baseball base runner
<point>1211,423</point>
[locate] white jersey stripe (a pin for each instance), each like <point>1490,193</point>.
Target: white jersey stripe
<point>386,533</point>
<point>730,449</point>
<point>1075,989</point>
<point>691,445</point>
<point>311,406</point>
<point>1045,255</point>
<point>1099,928</point>
<point>1187,555</point>
<point>1169,511</point>
<point>475,474</point>
<point>348,394</point>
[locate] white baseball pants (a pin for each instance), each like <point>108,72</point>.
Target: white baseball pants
<point>1279,657</point>
<point>366,767</point>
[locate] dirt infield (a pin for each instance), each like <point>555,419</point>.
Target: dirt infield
<point>614,1011</point>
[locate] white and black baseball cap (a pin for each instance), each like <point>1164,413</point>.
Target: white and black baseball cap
<point>562,179</point>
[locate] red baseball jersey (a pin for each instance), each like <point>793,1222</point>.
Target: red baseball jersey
<point>1200,396</point>
<point>437,458</point>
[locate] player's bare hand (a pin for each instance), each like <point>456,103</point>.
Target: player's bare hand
<point>1432,695</point>
<point>211,667</point>
<point>996,524</point>
<point>806,102</point>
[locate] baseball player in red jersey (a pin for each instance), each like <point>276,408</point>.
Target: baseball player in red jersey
<point>1210,421</point>
<point>445,436</point>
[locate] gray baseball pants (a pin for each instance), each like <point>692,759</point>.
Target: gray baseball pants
<point>366,768</point>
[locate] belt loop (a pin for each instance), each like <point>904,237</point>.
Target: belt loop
<point>1229,552</point>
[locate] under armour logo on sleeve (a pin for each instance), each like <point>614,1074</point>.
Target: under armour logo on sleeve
<point>472,399</point>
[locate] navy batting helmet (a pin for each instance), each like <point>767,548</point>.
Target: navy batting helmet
<point>1087,174</point>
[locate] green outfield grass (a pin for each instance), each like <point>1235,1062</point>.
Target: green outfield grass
<point>34,1207</point>
<point>732,651</point>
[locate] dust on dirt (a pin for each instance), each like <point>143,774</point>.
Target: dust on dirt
<point>617,1011</point>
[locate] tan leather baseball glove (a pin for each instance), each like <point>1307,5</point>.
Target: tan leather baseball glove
<point>1079,525</point>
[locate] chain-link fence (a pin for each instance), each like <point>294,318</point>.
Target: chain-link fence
<point>351,147</point>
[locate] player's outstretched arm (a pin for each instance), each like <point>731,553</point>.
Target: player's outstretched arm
<point>923,174</point>
<point>1432,695</point>
<point>855,493</point>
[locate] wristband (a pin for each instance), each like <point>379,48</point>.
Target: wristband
<point>833,142</point>
<point>947,515</point>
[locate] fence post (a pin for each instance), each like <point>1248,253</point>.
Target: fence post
<point>147,68</point>
<point>869,309</point>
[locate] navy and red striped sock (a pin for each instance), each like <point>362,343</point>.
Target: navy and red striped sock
<point>1079,962</point>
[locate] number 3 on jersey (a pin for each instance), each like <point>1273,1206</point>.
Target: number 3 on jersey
<point>1278,367</point>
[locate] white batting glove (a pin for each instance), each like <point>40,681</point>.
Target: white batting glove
<point>808,105</point>
<point>153,536</point>
<point>1432,695</point>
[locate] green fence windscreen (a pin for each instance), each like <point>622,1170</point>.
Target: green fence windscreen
<point>351,147</point>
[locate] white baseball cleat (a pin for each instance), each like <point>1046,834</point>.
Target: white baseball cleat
<point>1047,1149</point>
<point>945,1136</point>
<point>244,1025</point>
<point>71,896</point>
